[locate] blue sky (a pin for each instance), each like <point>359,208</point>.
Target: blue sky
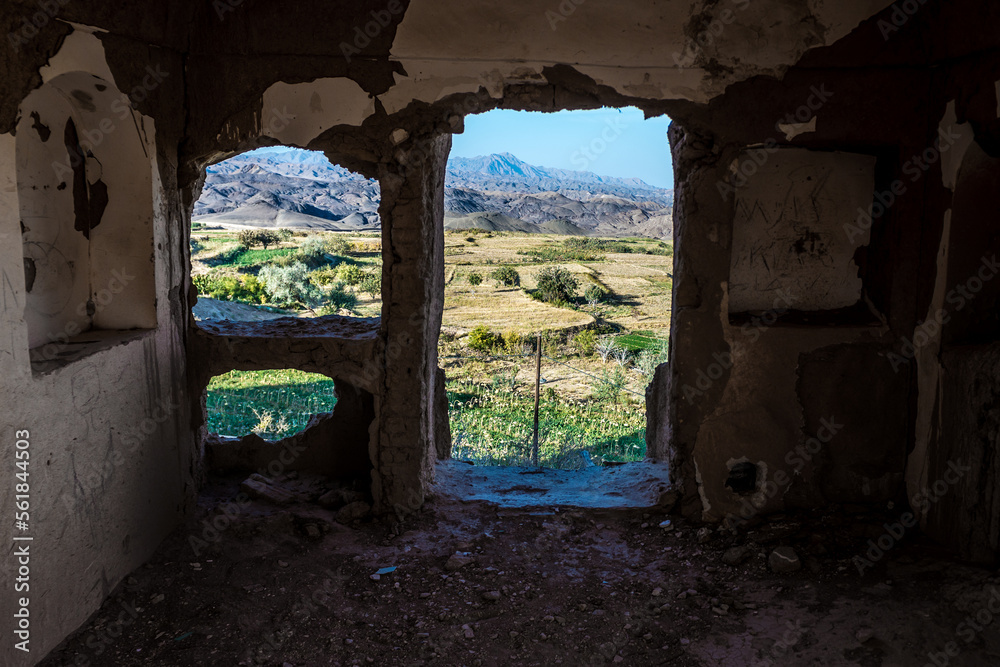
<point>609,142</point>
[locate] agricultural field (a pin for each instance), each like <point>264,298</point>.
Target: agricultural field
<point>601,337</point>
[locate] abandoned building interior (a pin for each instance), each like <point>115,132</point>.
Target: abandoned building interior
<point>834,348</point>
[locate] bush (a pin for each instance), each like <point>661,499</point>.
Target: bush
<point>595,294</point>
<point>481,339</point>
<point>513,342</point>
<point>313,252</point>
<point>247,289</point>
<point>339,297</point>
<point>585,342</point>
<point>556,284</point>
<point>350,274</point>
<point>610,386</point>
<point>324,277</point>
<point>290,286</point>
<point>338,246</point>
<point>475,279</point>
<point>371,284</point>
<point>506,276</point>
<point>250,238</point>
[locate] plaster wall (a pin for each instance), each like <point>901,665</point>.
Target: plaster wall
<point>113,463</point>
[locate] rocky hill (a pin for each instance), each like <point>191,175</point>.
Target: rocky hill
<point>302,190</point>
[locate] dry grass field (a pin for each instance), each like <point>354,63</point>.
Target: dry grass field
<point>593,398</point>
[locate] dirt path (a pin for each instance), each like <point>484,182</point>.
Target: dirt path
<point>290,586</point>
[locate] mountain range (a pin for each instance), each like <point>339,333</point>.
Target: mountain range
<point>301,189</point>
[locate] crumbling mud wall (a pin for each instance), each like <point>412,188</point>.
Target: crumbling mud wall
<point>802,370</point>
<point>92,358</point>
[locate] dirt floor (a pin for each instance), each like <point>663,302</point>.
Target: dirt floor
<point>476,584</point>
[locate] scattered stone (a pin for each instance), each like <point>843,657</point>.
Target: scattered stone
<point>356,510</point>
<point>685,642</point>
<point>667,525</point>
<point>863,635</point>
<point>491,596</point>
<point>469,634</point>
<point>312,530</point>
<point>704,535</point>
<point>282,563</point>
<point>784,560</point>
<point>657,592</point>
<point>264,488</point>
<point>459,560</point>
<point>735,555</point>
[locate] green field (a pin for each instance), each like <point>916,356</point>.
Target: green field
<point>273,404</point>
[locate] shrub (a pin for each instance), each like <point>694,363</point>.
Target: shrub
<point>339,297</point>
<point>475,279</point>
<point>312,253</point>
<point>595,294</point>
<point>247,289</point>
<point>513,342</point>
<point>324,277</point>
<point>338,246</point>
<point>250,238</point>
<point>350,274</point>
<point>290,286</point>
<point>585,342</point>
<point>610,386</point>
<point>652,357</point>
<point>481,339</point>
<point>556,284</point>
<point>371,284</point>
<point>506,276</point>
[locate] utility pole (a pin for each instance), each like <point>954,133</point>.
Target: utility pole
<point>538,389</point>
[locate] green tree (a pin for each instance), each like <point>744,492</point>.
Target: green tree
<point>506,276</point>
<point>556,284</point>
<point>371,284</point>
<point>475,279</point>
<point>250,238</point>
<point>350,274</point>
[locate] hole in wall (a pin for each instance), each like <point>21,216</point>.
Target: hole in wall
<point>559,224</point>
<point>742,478</point>
<point>282,232</point>
<point>272,404</point>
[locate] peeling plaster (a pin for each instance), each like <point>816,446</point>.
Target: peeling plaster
<point>81,51</point>
<point>793,130</point>
<point>951,158</point>
<point>297,113</point>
